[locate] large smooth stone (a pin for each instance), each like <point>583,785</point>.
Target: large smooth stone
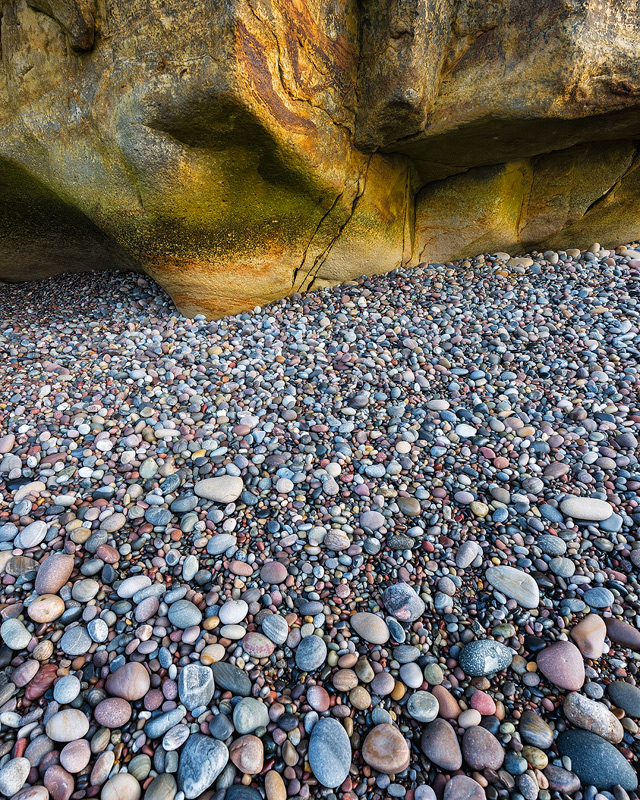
<point>586,508</point>
<point>67,725</point>
<point>247,753</point>
<point>403,602</point>
<point>195,686</point>
<point>589,635</point>
<point>516,584</point>
<point>13,775</point>
<point>53,573</point>
<point>485,657</point>
<point>596,762</point>
<point>329,752</point>
<point>440,744</point>
<point>122,786</point>
<point>481,749</point>
<point>623,633</point>
<point>231,678</point>
<point>562,664</point>
<point>386,750</point>
<point>131,681</point>
<point>201,761</point>
<point>32,535</point>
<point>370,627</point>
<point>311,653</point>
<point>461,787</point>
<point>534,730</point>
<point>162,787</point>
<point>250,714</point>
<point>14,634</point>
<point>592,716</point>
<point>625,696</point>
<point>225,489</point>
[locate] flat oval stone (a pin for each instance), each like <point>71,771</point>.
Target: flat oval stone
<point>481,749</point>
<point>562,664</point>
<point>386,750</point>
<point>273,572</point>
<point>329,752</point>
<point>403,602</point>
<point>423,706</point>
<point>597,762</point>
<point>623,633</point>
<point>233,612</point>
<point>370,627</point>
<point>231,678</point>
<point>46,608</point>
<point>131,681</point>
<point>162,787</point>
<point>31,535</point>
<point>14,634</point>
<point>373,520</point>
<point>534,730</point>
<point>515,584</point>
<point>201,761</point>
<point>75,756</point>
<point>625,696</point>
<point>53,573</point>
<point>250,714</point>
<point>130,586</point>
<point>224,489</point>
<point>592,716</point>
<point>247,753</point>
<point>113,712</point>
<point>66,689</point>
<point>461,787</point>
<point>589,635</point>
<point>257,645</point>
<point>276,628</point>
<point>184,614</point>
<point>13,775</point>
<point>485,657</point>
<point>67,725</point>
<point>76,641</point>
<point>311,653</point>
<point>122,786</point>
<point>59,782</point>
<point>440,745</point>
<point>586,508</point>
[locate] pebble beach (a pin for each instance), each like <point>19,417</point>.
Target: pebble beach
<point>376,541</point>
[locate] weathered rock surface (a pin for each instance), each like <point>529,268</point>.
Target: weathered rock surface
<point>286,145</point>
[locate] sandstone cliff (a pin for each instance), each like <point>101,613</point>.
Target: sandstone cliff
<point>240,150</point>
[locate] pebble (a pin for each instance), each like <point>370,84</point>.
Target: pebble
<point>596,762</point>
<point>329,753</point>
<point>386,750</point>
<point>485,657</point>
<point>562,664</point>
<point>402,601</point>
<point>586,508</point>
<point>626,696</point>
<point>195,686</point>
<point>67,725</point>
<point>440,744</point>
<point>589,635</point>
<point>201,761</point>
<point>370,627</point>
<point>481,749</point>
<point>13,775</point>
<point>516,584</point>
<point>592,716</point>
<point>224,489</point>
<point>311,653</point>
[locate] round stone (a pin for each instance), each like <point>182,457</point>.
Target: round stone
<point>67,725</point>
<point>423,706</point>
<point>224,489</point>
<point>402,601</point>
<point>184,614</point>
<point>250,714</point>
<point>233,611</point>
<point>625,696</point>
<point>440,745</point>
<point>386,750</point>
<point>515,584</point>
<point>122,786</point>
<point>130,682</point>
<point>76,641</point>
<point>485,657</point>
<point>113,712</point>
<point>46,608</point>
<point>66,689</point>
<point>481,749</point>
<point>75,756</point>
<point>247,753</point>
<point>53,573</point>
<point>275,628</point>
<point>13,776</point>
<point>597,762</point>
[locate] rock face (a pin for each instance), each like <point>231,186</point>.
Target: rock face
<point>289,144</point>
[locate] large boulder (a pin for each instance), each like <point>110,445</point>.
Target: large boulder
<point>242,150</point>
